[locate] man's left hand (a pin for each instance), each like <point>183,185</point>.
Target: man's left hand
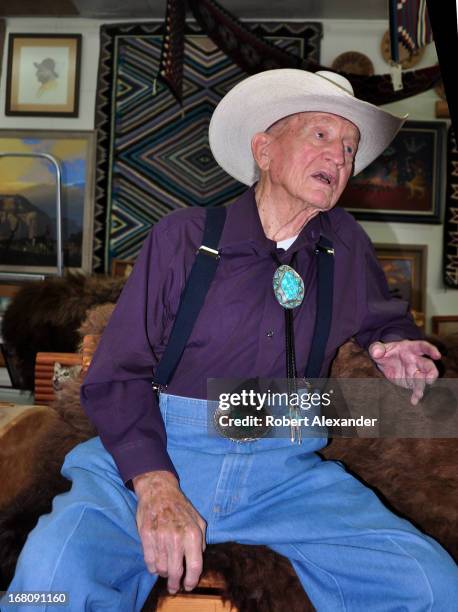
<point>407,363</point>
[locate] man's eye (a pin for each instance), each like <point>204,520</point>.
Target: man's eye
<point>320,135</point>
<point>349,150</point>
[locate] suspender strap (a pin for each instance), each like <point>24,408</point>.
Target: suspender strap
<point>325,284</point>
<point>192,299</point>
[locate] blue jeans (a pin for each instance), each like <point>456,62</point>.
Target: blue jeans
<point>350,553</point>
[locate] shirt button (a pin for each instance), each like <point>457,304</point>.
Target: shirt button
<point>269,333</point>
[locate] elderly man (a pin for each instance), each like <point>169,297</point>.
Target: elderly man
<point>166,487</point>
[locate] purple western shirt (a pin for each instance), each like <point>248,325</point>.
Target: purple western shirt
<point>239,332</point>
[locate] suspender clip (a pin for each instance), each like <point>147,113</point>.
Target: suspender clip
<point>208,251</point>
<point>328,250</point>
<point>158,388</point>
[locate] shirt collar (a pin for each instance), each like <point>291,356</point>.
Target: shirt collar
<point>243,226</point>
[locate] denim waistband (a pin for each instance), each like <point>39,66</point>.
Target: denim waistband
<point>188,422</point>
<point>189,410</point>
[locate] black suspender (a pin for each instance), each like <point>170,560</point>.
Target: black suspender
<point>325,286</point>
<point>198,284</point>
<point>193,296</point>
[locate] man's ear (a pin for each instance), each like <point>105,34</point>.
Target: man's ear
<point>260,144</point>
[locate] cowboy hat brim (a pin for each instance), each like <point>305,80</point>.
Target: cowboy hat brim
<point>257,102</point>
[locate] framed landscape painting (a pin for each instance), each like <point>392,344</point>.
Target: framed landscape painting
<point>28,215</point>
<point>406,182</point>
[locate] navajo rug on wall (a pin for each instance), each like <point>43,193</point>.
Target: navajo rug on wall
<point>152,154</point>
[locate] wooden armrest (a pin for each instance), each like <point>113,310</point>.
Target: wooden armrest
<point>44,367</point>
<point>211,580</point>
<point>90,342</point>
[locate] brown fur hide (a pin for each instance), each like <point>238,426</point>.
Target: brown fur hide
<point>45,316</point>
<point>19,446</point>
<point>406,473</point>
<point>415,478</point>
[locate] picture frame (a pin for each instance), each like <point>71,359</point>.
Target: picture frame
<point>7,292</point>
<point>406,182</point>
<point>404,266</point>
<point>28,219</point>
<point>444,325</point>
<point>2,42</point>
<point>43,75</point>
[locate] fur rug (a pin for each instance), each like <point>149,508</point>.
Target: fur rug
<point>45,316</point>
<point>415,478</point>
<point>405,473</point>
<point>19,448</point>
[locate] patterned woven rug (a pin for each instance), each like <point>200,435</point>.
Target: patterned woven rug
<point>451,215</point>
<point>152,155</point>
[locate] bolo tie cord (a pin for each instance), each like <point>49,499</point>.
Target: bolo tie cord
<point>291,369</point>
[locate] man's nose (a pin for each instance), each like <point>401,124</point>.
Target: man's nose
<point>336,152</point>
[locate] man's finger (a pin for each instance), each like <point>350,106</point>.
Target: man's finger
<point>175,563</point>
<point>422,347</point>
<point>418,387</point>
<point>416,381</point>
<point>429,371</point>
<point>426,368</point>
<point>194,561</point>
<point>162,565</point>
<point>377,350</point>
<point>149,548</point>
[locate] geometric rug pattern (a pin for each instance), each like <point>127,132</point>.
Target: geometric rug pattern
<point>153,154</point>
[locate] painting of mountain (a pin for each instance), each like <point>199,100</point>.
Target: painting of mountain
<point>28,196</point>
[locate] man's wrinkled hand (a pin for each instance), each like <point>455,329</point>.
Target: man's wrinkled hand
<point>171,531</point>
<point>407,363</point>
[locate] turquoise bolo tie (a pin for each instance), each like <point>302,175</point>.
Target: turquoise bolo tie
<point>289,291</point>
<point>288,287</point>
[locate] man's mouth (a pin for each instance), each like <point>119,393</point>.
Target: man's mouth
<point>324,177</point>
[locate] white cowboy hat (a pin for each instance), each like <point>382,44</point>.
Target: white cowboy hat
<point>257,102</point>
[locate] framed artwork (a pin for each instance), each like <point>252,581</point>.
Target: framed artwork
<point>122,267</point>
<point>405,270</point>
<point>2,42</point>
<point>405,183</point>
<point>445,325</point>
<point>28,219</point>
<point>43,75</point>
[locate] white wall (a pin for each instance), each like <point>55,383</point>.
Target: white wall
<point>89,28</point>
<point>338,36</point>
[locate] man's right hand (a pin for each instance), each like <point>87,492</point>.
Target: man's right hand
<point>170,529</point>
